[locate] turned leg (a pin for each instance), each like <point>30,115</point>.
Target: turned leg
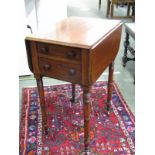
<point>108,8</point>
<point>42,103</point>
<point>73,93</point>
<point>133,11</point>
<point>111,10</point>
<point>110,86</point>
<point>128,9</point>
<point>126,44</point>
<point>99,4</point>
<point>86,108</point>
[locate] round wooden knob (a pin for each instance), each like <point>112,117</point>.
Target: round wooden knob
<point>72,72</point>
<point>44,50</point>
<point>71,54</point>
<point>47,67</point>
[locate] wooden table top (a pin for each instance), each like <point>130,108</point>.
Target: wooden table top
<point>79,32</point>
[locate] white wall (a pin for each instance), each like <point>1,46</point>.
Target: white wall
<point>30,12</point>
<point>40,15</point>
<point>51,11</point>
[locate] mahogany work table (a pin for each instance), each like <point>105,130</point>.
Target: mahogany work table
<point>76,50</point>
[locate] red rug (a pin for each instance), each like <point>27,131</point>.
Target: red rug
<point>109,135</point>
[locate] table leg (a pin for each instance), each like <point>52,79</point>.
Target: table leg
<point>73,93</point>
<point>108,8</point>
<point>99,4</point>
<point>126,44</point>
<point>111,10</point>
<point>110,86</point>
<point>133,10</point>
<point>42,103</point>
<point>86,108</point>
<point>128,9</point>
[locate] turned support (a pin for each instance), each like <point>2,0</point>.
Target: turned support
<point>133,10</point>
<point>108,8</point>
<point>99,4</point>
<point>73,93</point>
<point>42,103</point>
<point>112,10</point>
<point>126,44</point>
<point>110,86</point>
<point>86,110</point>
<point>128,9</point>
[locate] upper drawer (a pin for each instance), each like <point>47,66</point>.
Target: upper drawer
<point>59,51</point>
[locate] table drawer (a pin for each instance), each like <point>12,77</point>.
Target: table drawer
<point>59,70</point>
<point>59,51</point>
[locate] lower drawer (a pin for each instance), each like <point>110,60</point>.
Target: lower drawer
<point>56,69</point>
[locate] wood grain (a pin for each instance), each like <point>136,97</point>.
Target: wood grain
<point>76,32</point>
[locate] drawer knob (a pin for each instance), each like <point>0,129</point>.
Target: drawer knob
<point>44,50</point>
<point>72,72</point>
<point>47,67</point>
<point>71,54</point>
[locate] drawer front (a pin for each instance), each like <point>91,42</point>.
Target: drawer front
<point>61,71</point>
<point>59,51</point>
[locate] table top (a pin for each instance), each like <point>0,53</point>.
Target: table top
<point>79,32</point>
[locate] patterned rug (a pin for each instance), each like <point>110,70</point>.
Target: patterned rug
<point>109,135</point>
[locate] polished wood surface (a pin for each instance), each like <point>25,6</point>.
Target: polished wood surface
<point>76,32</point>
<point>110,85</point>
<point>76,50</point>
<point>62,53</point>
<point>109,46</point>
